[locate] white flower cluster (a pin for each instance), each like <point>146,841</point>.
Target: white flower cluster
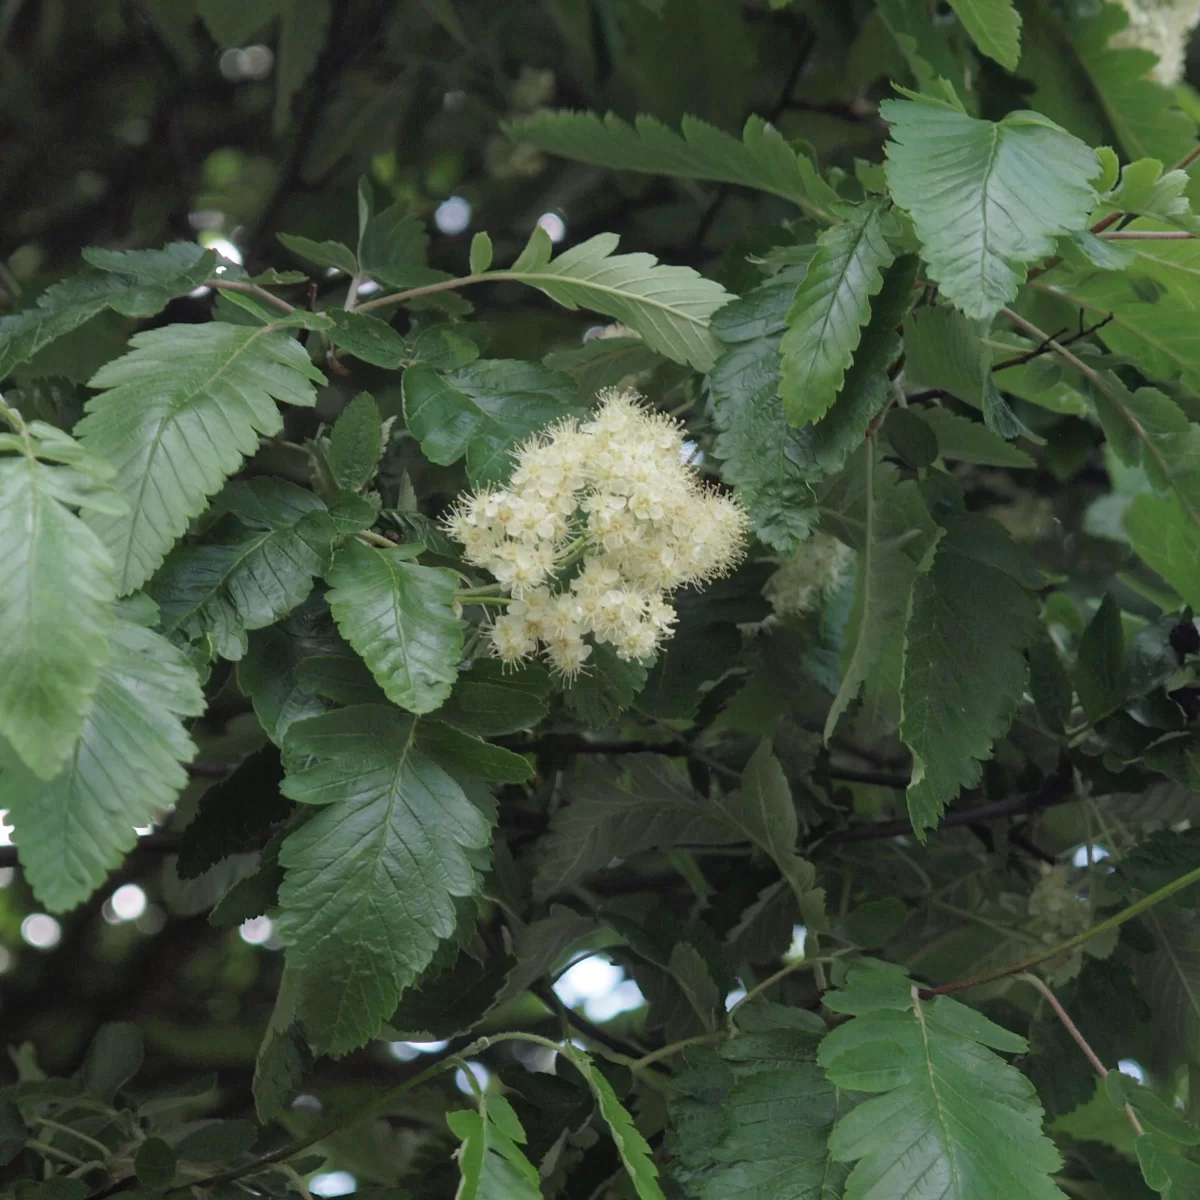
<point>601,521</point>
<point>1163,26</point>
<point>803,581</point>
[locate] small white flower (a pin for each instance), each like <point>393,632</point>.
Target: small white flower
<point>613,498</point>
<point>803,581</point>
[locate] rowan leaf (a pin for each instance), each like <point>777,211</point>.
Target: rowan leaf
<point>971,618</point>
<point>947,1116</point>
<point>255,565</point>
<point>994,26</point>
<point>398,616</point>
<point>831,305</point>
<point>371,880</point>
<point>76,827</point>
<point>987,198</point>
<point>762,159</point>
<point>752,1117</point>
<point>619,810</point>
<point>134,283</point>
<point>669,306</point>
<point>484,410</point>
<point>491,1163</point>
<point>356,443</point>
<point>56,584</point>
<point>176,416</point>
<point>774,466</point>
<point>1166,539</point>
<point>884,519</point>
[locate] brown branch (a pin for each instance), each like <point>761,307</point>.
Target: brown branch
<point>1080,1040</point>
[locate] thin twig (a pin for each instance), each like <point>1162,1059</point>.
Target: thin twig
<point>1107,925</point>
<point>251,289</point>
<point>1148,235</point>
<point>1080,1040</point>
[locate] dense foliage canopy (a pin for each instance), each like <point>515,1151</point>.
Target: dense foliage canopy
<point>596,599</point>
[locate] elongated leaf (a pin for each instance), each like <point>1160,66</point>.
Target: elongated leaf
<point>490,1160</point>
<point>884,518</point>
<point>948,1117</point>
<point>356,443</point>
<point>965,440</point>
<point>75,828</point>
<point>135,283</point>
<point>178,414</point>
<point>632,1147</point>
<point>986,198</point>
<point>752,1118</point>
<point>372,879</point>
<point>398,616</point>
<point>972,616</point>
<point>483,410</point>
<point>775,466</point>
<point>619,811</point>
<point>762,160</point>
<point>831,305</point>
<point>1100,676</point>
<point>56,585</point>
<point>366,337</point>
<point>1167,540</point>
<point>283,1057</point>
<point>994,26</point>
<point>1169,979</point>
<point>669,306</point>
<point>1168,1174</point>
<point>254,567</point>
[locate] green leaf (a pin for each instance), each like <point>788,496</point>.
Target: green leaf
<point>752,1117</point>
<point>831,305</point>
<point>885,520</point>
<point>366,337</point>
<point>135,283</point>
<point>225,824</point>
<point>490,699</point>
<point>1169,979</point>
<point>372,878</point>
<point>255,566</point>
<point>112,1060</point>
<point>154,1164</point>
<point>911,438</point>
<point>484,410</point>
<point>994,26</point>
<point>946,352</point>
<point>178,414</point>
<point>473,755</point>
<point>632,1147</point>
<point>392,245</point>
<point>1167,540</point>
<point>56,585</point>
<point>75,828</point>
<point>606,688</point>
<point>975,599</point>
<point>283,1058</point>
<point>1168,1174</point>
<point>398,616</point>
<point>232,23</point>
<point>321,254</point>
<point>1100,678</point>
<point>13,1134</point>
<point>605,362</point>
<point>618,810</point>
<point>1100,88</point>
<point>965,440</point>
<point>947,1113</point>
<point>1153,1112</point>
<point>490,1160</point>
<point>217,1142</point>
<point>669,306</point>
<point>774,466</point>
<point>762,159</point>
<point>541,945</point>
<point>356,443</point>
<point>481,253</point>
<point>986,198</point>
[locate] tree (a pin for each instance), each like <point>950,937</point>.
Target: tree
<point>703,493</point>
